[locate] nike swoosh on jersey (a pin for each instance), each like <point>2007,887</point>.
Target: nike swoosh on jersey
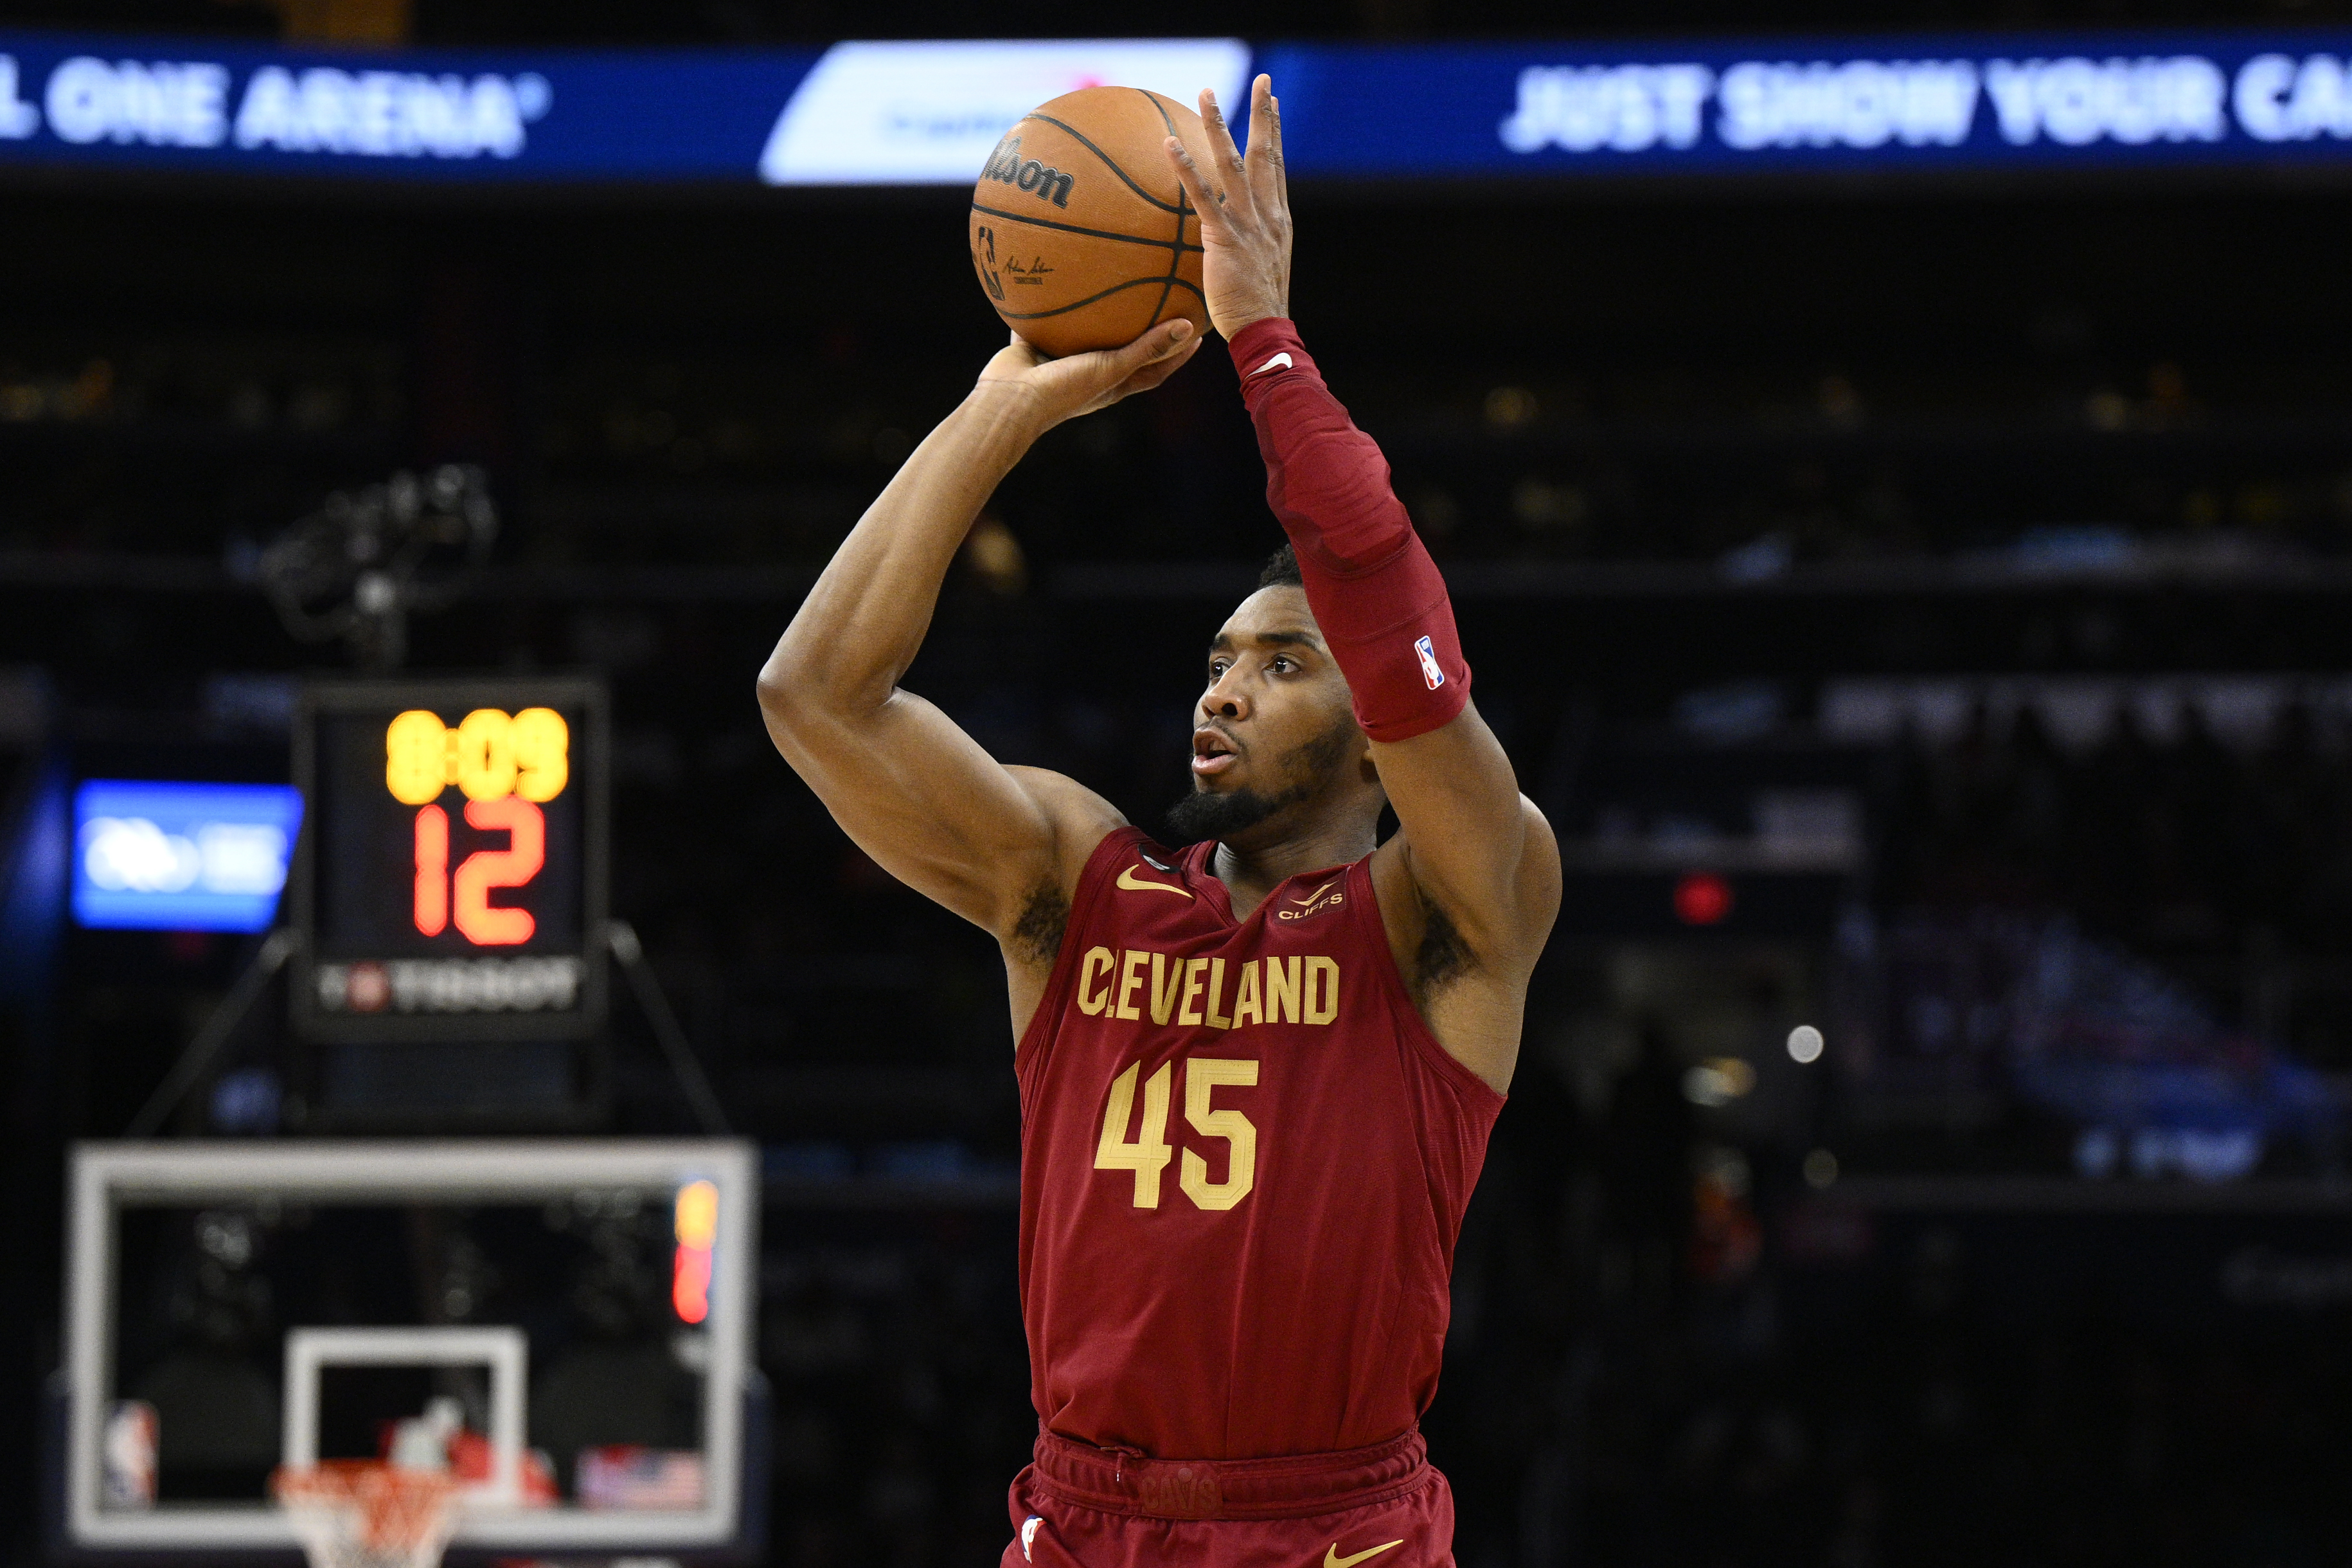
<point>1331,1558</point>
<point>1133,884</point>
<point>1279,361</point>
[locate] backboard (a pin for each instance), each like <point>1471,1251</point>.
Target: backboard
<point>586,1306</point>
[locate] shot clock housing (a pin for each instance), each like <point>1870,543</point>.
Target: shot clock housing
<point>450,881</point>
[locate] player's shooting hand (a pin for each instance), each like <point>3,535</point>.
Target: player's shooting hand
<point>1244,212</point>
<point>1053,390</point>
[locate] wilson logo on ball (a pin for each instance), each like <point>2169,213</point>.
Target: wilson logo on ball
<point>1006,165</point>
<point>1110,247</point>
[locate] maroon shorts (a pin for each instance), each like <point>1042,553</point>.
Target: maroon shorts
<point>1081,1507</point>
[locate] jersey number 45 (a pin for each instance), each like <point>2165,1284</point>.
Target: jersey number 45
<point>1147,1154</point>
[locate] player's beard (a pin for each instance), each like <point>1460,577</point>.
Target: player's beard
<point>1225,814</point>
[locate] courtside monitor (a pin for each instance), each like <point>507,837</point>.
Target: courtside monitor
<point>573,1319</point>
<point>452,884</point>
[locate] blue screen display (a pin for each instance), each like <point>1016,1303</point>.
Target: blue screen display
<point>1981,103</point>
<point>182,857</point>
<point>915,113</point>
<point>189,105</point>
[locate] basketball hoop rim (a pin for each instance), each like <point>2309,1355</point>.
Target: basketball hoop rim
<point>362,1513</point>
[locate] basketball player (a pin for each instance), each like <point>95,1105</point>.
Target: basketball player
<point>1256,1075</point>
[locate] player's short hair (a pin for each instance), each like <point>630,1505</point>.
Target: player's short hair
<point>1281,570</point>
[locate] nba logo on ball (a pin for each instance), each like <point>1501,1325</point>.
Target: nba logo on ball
<point>1429,670</point>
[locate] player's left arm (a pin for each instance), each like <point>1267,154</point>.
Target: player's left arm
<point>1475,861</point>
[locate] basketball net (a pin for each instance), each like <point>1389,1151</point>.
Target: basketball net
<point>368,1513</point>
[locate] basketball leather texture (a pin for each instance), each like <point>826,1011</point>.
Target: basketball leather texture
<point>1080,233</point>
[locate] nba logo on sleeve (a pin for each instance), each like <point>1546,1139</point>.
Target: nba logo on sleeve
<point>1429,670</point>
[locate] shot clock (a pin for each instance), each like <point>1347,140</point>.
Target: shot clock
<point>451,884</point>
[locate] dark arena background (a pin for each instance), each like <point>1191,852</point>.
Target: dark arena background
<point>1908,557</point>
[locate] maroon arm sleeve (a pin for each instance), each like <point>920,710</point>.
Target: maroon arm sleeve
<point>1376,594</point>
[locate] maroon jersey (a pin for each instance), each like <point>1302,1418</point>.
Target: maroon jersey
<point>1244,1164</point>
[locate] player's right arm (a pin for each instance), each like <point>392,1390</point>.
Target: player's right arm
<point>911,788</point>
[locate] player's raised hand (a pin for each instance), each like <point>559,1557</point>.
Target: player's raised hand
<point>1244,212</point>
<point>1054,390</point>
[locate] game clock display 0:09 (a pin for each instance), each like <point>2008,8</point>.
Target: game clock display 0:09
<point>451,882</point>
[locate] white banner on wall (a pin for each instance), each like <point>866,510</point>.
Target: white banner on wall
<point>928,113</point>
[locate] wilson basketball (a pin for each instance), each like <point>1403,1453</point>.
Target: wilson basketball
<point>1080,233</point>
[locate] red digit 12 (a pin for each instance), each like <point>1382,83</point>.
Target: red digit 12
<point>479,921</point>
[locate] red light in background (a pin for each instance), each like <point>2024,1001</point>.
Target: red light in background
<point>697,1227</point>
<point>689,1284</point>
<point>1702,899</point>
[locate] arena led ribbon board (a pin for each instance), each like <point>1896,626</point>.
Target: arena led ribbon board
<point>929,112</point>
<point>452,884</point>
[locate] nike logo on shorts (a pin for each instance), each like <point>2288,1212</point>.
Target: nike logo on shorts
<point>1331,1558</point>
<point>1279,361</point>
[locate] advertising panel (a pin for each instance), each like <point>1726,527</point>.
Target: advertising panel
<point>2016,102</point>
<point>858,113</point>
<point>190,106</point>
<point>923,113</point>
<point>862,113</point>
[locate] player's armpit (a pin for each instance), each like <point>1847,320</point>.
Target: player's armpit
<point>1474,848</point>
<point>1081,820</point>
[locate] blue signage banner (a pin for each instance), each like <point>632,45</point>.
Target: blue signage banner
<point>854,114</point>
<point>182,857</point>
<point>927,113</point>
<point>554,115</point>
<point>2013,102</point>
